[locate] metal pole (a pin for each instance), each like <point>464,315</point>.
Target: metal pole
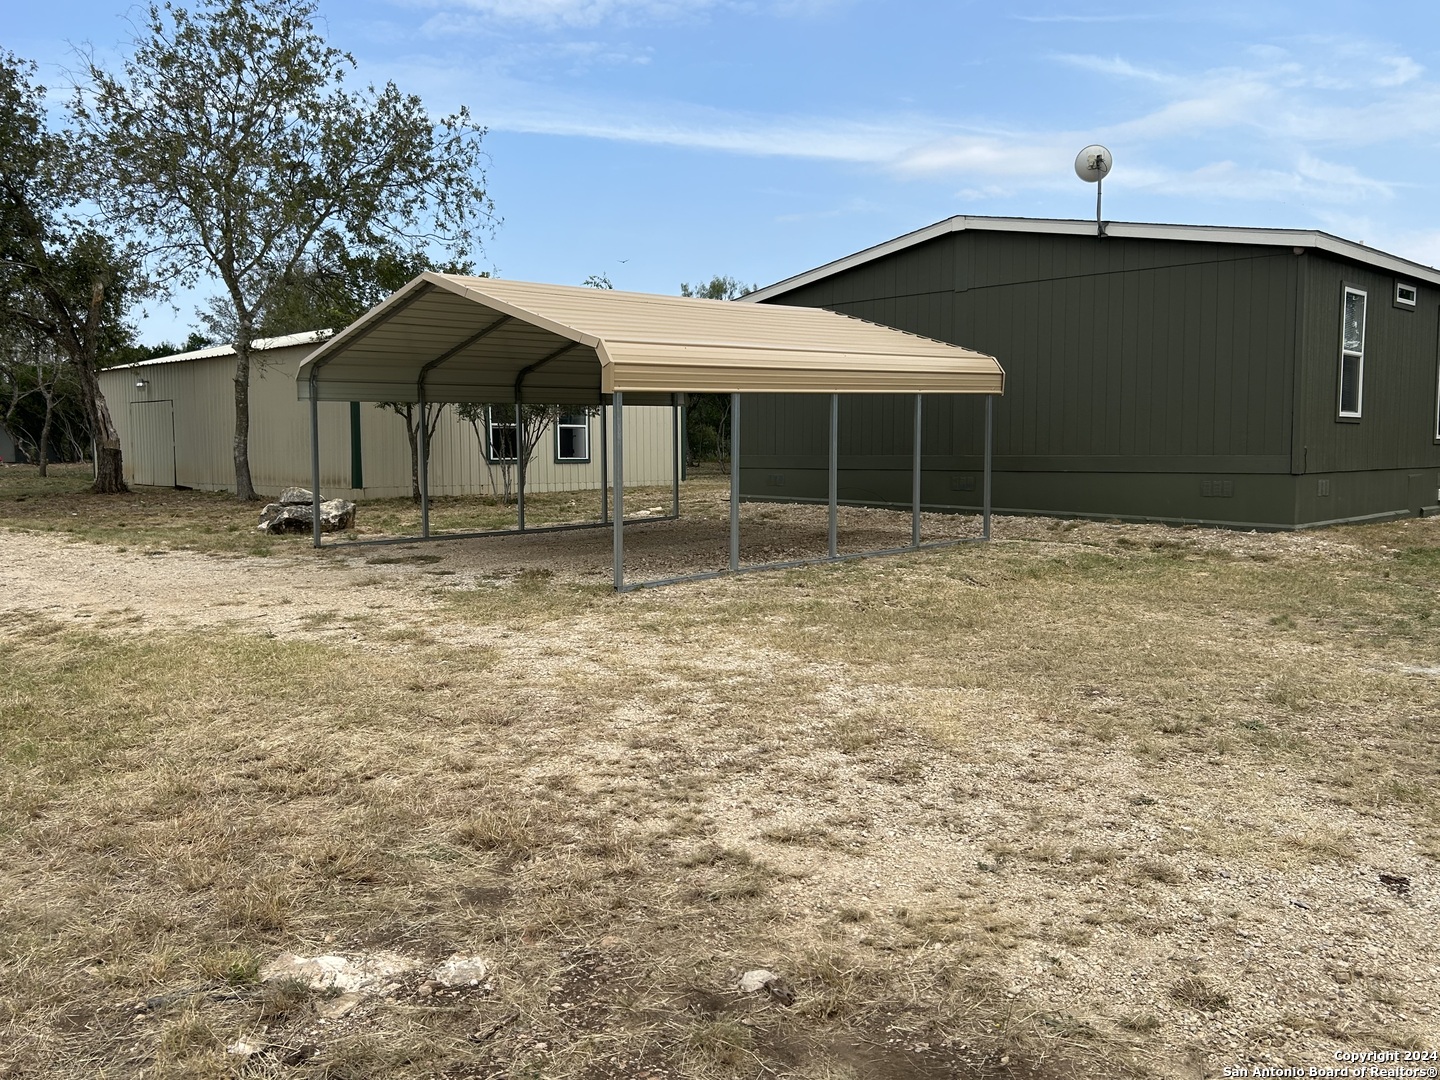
<point>989,438</point>
<point>734,481</point>
<point>604,468</point>
<point>619,399</point>
<point>424,469</point>
<point>915,478</point>
<point>519,466</point>
<point>314,460</point>
<point>1099,185</point>
<point>675,439</point>
<point>834,473</point>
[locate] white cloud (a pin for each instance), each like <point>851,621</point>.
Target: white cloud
<point>553,14</point>
<point>1139,16</point>
<point>1402,71</point>
<point>1112,66</point>
<point>1307,179</point>
<point>581,12</point>
<point>1016,156</point>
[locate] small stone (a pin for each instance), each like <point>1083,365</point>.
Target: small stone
<point>425,990</point>
<point>757,979</point>
<point>338,1007</point>
<point>461,971</point>
<point>245,1047</point>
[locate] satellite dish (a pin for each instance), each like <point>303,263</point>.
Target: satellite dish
<point>1093,164</point>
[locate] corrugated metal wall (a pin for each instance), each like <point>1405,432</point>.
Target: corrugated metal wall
<point>1396,429</point>
<point>1120,354</point>
<point>1176,380</point>
<point>197,443</point>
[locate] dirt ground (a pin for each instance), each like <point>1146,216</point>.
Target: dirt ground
<point>1189,906</point>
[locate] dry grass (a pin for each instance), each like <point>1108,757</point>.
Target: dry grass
<point>1092,800</point>
<point>154,520</point>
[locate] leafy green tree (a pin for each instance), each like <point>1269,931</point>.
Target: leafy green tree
<point>517,449</point>
<point>718,287</point>
<point>235,143</point>
<point>334,287</point>
<point>39,400</point>
<point>707,416</point>
<point>62,281</point>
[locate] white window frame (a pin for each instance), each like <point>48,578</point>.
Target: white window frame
<point>1437,403</point>
<point>1346,354</point>
<point>1413,290</point>
<point>561,424</point>
<point>490,426</point>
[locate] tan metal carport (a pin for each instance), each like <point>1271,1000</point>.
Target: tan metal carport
<point>448,338</point>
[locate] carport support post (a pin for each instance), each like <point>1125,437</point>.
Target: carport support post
<point>915,478</point>
<point>989,436</point>
<point>519,466</point>
<point>734,481</point>
<point>604,467</point>
<point>314,461</point>
<point>834,472</point>
<point>619,400</point>
<point>424,468</point>
<point>675,438</point>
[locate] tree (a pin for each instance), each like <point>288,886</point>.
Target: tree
<point>332,289</point>
<point>236,145</point>
<point>35,388</point>
<point>707,416</point>
<point>515,447</point>
<point>62,281</point>
<point>718,287</point>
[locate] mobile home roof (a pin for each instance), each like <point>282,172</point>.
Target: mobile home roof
<point>1300,239</point>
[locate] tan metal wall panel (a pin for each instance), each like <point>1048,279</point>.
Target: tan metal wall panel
<point>204,427</point>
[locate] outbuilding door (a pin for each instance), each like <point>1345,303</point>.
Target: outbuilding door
<point>153,444</point>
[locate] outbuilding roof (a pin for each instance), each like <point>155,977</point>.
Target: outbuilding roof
<point>1300,239</point>
<point>211,352</point>
<point>491,340</point>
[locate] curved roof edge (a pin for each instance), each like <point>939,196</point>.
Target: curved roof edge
<point>1214,234</point>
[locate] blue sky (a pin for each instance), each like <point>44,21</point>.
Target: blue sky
<point>661,141</point>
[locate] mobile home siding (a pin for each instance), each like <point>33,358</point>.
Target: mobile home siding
<point>1167,378</point>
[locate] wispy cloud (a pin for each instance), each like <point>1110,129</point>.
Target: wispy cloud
<point>1269,130</point>
<point>554,14</point>
<point>1113,65</point>
<point>1136,16</point>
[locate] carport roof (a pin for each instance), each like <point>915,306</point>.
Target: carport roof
<point>472,339</point>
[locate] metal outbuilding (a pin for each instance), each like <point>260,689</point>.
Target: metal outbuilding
<point>176,419</point>
<point>449,338</point>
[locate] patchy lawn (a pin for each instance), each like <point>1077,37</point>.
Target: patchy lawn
<point>1091,800</point>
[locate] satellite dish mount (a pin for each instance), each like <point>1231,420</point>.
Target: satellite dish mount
<point>1092,165</point>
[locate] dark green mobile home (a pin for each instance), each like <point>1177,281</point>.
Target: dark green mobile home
<point>1266,378</point>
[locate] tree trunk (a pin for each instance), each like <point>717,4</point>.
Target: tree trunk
<point>43,458</point>
<point>109,468</point>
<point>244,487</point>
<point>412,434</point>
<point>109,473</point>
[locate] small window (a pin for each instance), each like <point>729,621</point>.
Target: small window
<point>500,444</point>
<point>1352,353</point>
<point>1406,295</point>
<point>572,437</point>
<point>1437,407</point>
